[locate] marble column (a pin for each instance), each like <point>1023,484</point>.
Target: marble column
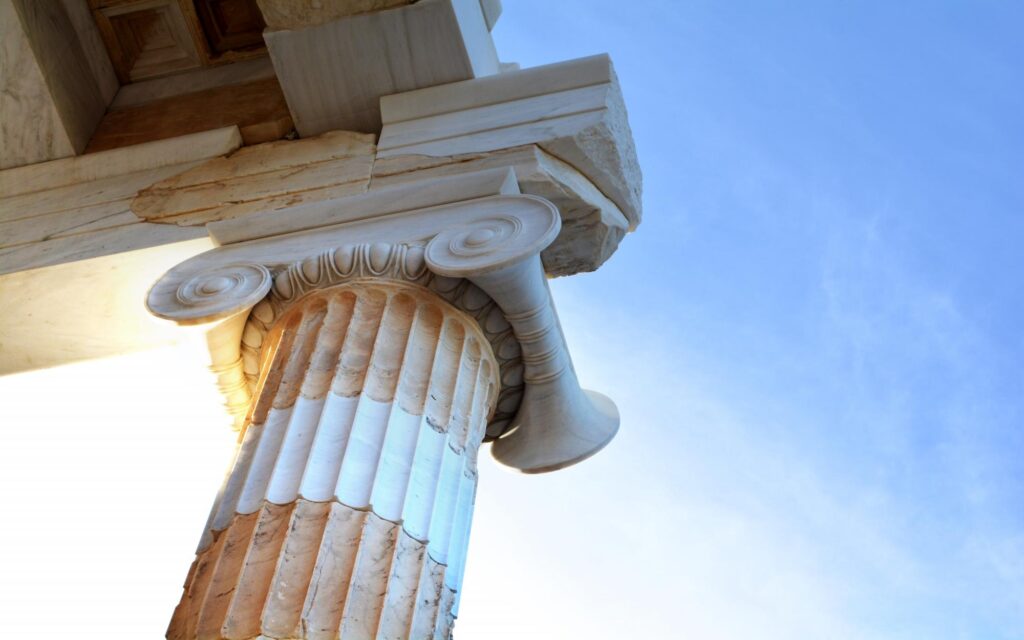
<point>347,509</point>
<point>377,354</point>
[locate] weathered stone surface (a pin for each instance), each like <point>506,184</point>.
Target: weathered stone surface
<point>573,110</point>
<point>68,240</point>
<point>266,177</point>
<point>236,73</point>
<point>378,202</point>
<point>295,14</point>
<point>333,74</point>
<point>592,225</point>
<point>105,164</point>
<point>26,98</point>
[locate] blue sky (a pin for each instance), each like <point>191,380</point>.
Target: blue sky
<point>814,336</point>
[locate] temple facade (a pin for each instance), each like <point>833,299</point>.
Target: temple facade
<point>355,206</point>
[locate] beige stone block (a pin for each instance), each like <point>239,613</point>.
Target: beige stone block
<point>400,601</point>
<point>333,74</point>
<point>205,78</point>
<point>282,616</point>
<point>85,194</point>
<point>25,98</point>
<point>51,97</point>
<point>385,201</point>
<point>328,587</point>
<point>121,161</point>
<point>95,244</point>
<point>105,215</point>
<point>296,14</point>
<point>592,225</point>
<point>266,177</point>
<point>369,584</point>
<point>573,110</point>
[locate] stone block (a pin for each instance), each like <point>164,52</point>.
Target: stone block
<point>572,110</point>
<point>262,178</point>
<point>333,74</point>
<point>592,225</point>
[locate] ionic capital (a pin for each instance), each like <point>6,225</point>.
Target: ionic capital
<point>481,255</point>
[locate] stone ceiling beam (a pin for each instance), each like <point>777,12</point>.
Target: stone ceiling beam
<point>333,74</point>
<point>54,85</point>
<point>573,110</point>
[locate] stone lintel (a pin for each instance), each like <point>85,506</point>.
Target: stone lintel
<point>376,203</point>
<point>79,208</point>
<point>263,178</point>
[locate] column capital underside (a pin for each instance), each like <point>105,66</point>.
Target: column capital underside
<point>481,255</point>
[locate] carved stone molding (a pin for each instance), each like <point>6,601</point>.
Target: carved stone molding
<point>558,423</point>
<point>382,262</point>
<point>210,295</point>
<point>381,352</point>
<point>493,243</point>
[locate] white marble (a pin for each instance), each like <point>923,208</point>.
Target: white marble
<point>379,202</point>
<point>94,50</point>
<point>592,225</point>
<point>115,162</point>
<point>34,304</point>
<point>492,11</point>
<point>105,215</point>
<point>94,244</point>
<point>80,97</point>
<point>449,482</point>
<point>367,341</point>
<point>362,453</point>
<point>405,226</point>
<point>494,242</point>
<point>260,468</point>
<point>320,478</point>
<point>243,71</point>
<point>296,14</point>
<point>352,389</point>
<point>82,195</point>
<point>461,523</point>
<point>527,83</point>
<point>394,467</point>
<point>333,74</point>
<point>262,178</point>
<point>573,110</point>
<point>31,129</point>
<point>294,454</point>
<point>423,479</point>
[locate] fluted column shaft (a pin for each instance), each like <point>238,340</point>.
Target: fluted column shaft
<point>346,512</point>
